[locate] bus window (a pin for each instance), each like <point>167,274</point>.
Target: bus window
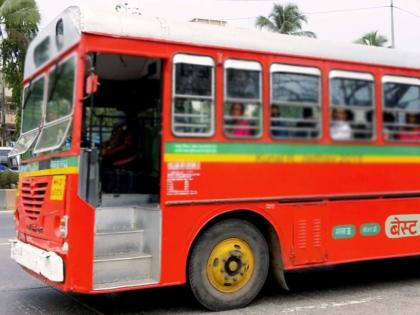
<point>295,102</point>
<point>401,108</point>
<point>193,100</point>
<point>243,99</point>
<point>33,97</point>
<point>56,131</point>
<point>351,106</point>
<point>60,91</point>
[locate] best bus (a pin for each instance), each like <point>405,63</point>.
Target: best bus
<point>158,153</point>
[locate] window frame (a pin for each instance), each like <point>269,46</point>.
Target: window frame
<point>68,117</point>
<point>69,121</point>
<point>397,79</point>
<point>194,60</point>
<point>250,65</point>
<point>64,60</point>
<point>44,99</point>
<point>302,70</point>
<point>353,75</point>
<point>36,131</point>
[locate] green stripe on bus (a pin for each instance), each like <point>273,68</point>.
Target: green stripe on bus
<point>289,149</point>
<point>72,161</point>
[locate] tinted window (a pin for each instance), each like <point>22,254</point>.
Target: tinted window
<point>351,109</point>
<point>402,96</point>
<point>242,107</point>
<point>300,88</point>
<point>295,106</point>
<point>42,52</point>
<point>351,92</point>
<point>193,103</point>
<point>401,111</point>
<point>242,84</point>
<point>193,79</point>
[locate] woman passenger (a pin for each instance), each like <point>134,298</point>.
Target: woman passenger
<point>240,127</point>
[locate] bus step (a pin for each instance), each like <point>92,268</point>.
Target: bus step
<point>115,243</point>
<point>117,219</point>
<point>124,284</point>
<point>122,268</point>
<point>124,200</point>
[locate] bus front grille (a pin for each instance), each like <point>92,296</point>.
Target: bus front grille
<point>33,195</point>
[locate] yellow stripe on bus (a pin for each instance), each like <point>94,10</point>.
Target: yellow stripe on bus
<point>54,171</point>
<point>285,158</point>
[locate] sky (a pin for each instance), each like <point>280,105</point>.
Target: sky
<point>333,20</point>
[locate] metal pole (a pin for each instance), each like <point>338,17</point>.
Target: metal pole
<point>392,25</point>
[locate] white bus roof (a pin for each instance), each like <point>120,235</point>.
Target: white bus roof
<point>79,20</point>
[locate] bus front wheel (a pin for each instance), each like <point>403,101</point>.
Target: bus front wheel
<point>228,265</point>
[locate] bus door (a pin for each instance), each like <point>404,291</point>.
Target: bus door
<point>120,168</point>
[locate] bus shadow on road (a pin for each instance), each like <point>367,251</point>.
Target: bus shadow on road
<point>161,300</point>
<point>353,275</point>
<point>327,282</point>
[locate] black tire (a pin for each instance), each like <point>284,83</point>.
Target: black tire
<point>207,294</point>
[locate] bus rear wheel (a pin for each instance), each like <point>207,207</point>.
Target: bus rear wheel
<point>228,265</point>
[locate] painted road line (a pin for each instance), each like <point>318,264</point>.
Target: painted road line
<point>323,306</point>
<point>4,244</point>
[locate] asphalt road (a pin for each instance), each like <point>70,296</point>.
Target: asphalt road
<point>381,287</point>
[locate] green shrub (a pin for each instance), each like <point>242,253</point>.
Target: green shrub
<point>8,178</point>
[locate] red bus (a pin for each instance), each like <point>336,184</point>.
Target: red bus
<point>158,154</point>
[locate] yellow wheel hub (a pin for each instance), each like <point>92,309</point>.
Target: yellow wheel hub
<point>230,265</point>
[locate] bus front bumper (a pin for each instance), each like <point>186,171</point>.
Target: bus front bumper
<point>47,264</point>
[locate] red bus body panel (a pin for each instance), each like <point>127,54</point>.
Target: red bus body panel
<point>296,197</point>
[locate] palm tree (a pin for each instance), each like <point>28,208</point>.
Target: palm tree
<point>286,19</point>
<point>372,39</point>
<point>19,21</point>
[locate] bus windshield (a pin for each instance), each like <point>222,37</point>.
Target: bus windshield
<point>32,106</point>
<point>55,133</point>
<point>59,107</point>
<point>60,91</point>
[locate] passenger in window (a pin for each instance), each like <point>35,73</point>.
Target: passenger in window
<point>240,127</point>
<point>308,129</point>
<point>276,124</point>
<point>340,126</point>
<point>412,131</point>
<point>391,131</point>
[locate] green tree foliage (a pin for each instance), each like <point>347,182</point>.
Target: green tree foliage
<point>372,39</point>
<point>8,179</point>
<point>287,19</point>
<point>19,21</point>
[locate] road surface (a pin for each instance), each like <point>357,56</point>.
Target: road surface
<point>380,287</point>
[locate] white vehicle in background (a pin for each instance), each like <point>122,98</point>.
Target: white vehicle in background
<point>6,161</point>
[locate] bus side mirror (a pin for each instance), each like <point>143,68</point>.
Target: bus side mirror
<point>92,83</point>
